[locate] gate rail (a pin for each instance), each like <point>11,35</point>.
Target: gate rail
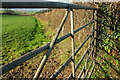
<point>5,68</point>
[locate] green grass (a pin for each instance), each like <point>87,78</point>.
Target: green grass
<point>24,13</point>
<point>20,34</point>
<point>18,12</point>
<point>1,11</point>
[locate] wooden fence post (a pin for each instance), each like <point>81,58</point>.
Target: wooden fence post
<point>73,47</point>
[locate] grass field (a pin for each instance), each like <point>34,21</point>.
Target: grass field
<point>24,13</point>
<point>20,34</point>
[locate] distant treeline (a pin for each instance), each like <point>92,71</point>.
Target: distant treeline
<point>43,11</point>
<point>11,12</point>
<point>8,14</point>
<point>7,11</point>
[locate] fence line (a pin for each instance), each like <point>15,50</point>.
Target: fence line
<point>5,68</point>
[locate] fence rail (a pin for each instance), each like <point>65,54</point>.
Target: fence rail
<point>8,4</point>
<point>5,68</point>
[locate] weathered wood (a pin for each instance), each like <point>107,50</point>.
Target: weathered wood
<point>90,54</point>
<point>93,28</point>
<point>82,59</point>
<point>83,26</point>
<point>60,69</point>
<point>96,31</point>
<point>79,63</point>
<point>68,61</point>
<point>91,70</point>
<point>5,68</point>
<point>44,60</point>
<point>88,68</point>
<point>73,47</point>
<point>63,30</point>
<point>81,73</point>
<point>82,45</point>
<point>16,4</point>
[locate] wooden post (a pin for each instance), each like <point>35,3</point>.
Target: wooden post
<point>96,31</point>
<point>73,47</point>
<point>116,19</point>
<point>93,29</point>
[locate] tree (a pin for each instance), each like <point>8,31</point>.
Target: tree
<point>8,11</point>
